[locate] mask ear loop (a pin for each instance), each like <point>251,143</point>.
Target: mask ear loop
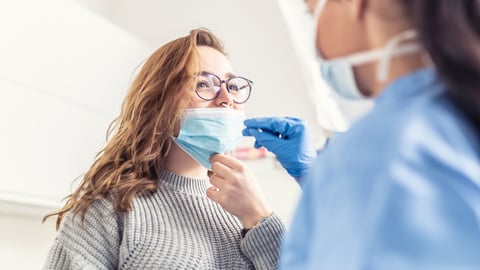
<point>388,52</point>
<point>318,9</point>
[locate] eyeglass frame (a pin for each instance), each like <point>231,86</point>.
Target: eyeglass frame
<point>250,84</point>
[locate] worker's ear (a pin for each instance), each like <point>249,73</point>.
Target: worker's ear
<point>357,8</point>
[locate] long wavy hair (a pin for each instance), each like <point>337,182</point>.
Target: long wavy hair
<point>141,136</point>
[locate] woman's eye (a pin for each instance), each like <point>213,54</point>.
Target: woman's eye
<point>202,84</point>
<point>233,87</point>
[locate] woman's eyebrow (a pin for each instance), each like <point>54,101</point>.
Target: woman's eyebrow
<point>230,75</point>
<point>227,75</point>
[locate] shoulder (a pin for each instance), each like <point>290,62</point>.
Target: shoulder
<point>436,134</point>
<point>88,241</point>
<point>404,180</point>
<point>426,126</point>
<point>100,212</point>
<point>427,136</point>
<point>100,221</point>
<point>100,224</point>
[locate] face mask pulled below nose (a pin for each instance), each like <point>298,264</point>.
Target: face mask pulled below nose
<point>204,132</point>
<point>338,72</point>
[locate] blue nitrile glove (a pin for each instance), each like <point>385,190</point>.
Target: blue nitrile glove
<point>287,138</point>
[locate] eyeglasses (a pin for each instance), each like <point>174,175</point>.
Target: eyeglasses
<point>209,86</point>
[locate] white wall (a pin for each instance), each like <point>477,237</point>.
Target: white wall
<point>24,240</point>
<point>63,73</point>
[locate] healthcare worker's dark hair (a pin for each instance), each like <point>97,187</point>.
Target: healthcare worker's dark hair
<point>450,32</point>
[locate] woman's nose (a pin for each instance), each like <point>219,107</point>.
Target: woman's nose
<point>224,98</point>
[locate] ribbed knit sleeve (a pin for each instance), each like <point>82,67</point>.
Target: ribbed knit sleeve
<point>89,244</point>
<point>262,243</point>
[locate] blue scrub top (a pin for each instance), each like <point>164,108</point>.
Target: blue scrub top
<point>399,190</point>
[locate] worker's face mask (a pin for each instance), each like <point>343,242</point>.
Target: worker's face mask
<point>204,132</point>
<point>338,72</point>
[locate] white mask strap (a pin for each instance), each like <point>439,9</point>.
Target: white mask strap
<point>318,9</point>
<point>383,55</point>
<point>393,49</point>
<point>390,49</point>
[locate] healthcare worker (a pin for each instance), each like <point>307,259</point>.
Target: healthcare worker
<point>401,188</point>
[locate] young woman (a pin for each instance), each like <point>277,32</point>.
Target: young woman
<point>401,188</point>
<point>146,202</point>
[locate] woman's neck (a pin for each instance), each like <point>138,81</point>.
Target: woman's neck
<point>180,163</point>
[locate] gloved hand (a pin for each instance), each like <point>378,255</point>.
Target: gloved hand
<point>287,138</point>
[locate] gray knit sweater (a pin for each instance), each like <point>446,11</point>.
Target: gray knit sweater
<point>177,227</point>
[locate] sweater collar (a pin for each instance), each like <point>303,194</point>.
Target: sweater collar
<point>184,184</point>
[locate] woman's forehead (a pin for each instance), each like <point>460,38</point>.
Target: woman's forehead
<point>214,62</point>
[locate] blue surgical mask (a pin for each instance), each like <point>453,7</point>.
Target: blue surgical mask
<point>208,131</point>
<point>338,72</point>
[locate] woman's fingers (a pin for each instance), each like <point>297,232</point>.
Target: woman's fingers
<point>226,181</point>
<point>214,194</point>
<point>227,161</point>
<point>217,181</point>
<point>227,171</point>
<point>236,190</point>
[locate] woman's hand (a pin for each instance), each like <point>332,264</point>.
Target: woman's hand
<point>236,190</point>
